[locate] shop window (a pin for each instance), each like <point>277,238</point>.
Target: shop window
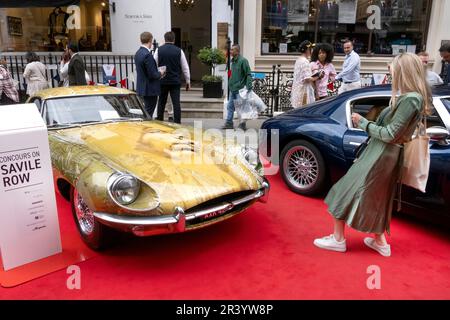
<point>384,27</point>
<point>51,25</point>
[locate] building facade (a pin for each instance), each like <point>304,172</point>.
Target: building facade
<point>270,30</point>
<point>113,27</point>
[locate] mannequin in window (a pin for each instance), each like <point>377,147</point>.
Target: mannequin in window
<point>85,43</point>
<point>328,15</point>
<point>57,22</point>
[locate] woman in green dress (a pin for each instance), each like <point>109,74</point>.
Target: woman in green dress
<point>363,198</point>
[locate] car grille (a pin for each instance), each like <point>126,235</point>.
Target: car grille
<point>220,207</point>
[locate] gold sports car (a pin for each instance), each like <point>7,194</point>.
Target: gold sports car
<point>121,171</point>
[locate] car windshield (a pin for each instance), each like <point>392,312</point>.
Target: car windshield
<point>87,109</point>
<point>446,102</point>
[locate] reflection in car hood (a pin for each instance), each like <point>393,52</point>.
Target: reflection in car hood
<point>153,152</point>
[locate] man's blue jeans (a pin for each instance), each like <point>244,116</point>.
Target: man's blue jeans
<point>230,107</point>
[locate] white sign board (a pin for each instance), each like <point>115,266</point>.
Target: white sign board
<point>29,228</point>
<point>134,17</point>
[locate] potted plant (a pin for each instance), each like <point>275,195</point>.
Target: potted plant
<point>212,84</point>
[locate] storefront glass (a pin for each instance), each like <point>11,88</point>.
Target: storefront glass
<point>382,27</point>
<point>50,25</point>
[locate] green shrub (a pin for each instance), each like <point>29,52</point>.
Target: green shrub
<point>209,78</point>
<point>211,57</point>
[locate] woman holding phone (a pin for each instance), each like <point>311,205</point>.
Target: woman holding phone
<point>321,60</point>
<point>363,198</point>
<point>302,92</point>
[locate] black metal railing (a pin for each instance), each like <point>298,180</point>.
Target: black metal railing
<point>275,87</point>
<point>124,68</point>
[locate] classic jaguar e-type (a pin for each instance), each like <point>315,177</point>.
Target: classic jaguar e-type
<point>121,171</point>
<point>317,145</point>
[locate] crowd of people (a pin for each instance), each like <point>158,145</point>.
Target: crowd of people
<point>159,74</point>
<point>72,72</point>
<point>314,71</point>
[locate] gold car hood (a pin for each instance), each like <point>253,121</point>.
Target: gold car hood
<point>152,151</point>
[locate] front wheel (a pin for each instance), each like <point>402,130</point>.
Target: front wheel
<point>303,168</point>
<point>96,235</point>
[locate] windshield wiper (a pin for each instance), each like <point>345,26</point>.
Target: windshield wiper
<point>123,119</point>
<point>60,125</point>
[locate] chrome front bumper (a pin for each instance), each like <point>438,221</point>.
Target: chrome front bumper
<point>146,226</point>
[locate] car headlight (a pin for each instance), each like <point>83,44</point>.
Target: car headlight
<point>124,188</point>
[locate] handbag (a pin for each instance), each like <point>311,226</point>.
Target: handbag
<point>416,160</point>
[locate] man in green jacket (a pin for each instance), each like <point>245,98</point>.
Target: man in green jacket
<point>240,78</point>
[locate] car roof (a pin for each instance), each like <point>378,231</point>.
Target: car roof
<point>80,91</point>
<point>442,90</point>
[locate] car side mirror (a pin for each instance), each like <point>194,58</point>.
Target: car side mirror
<point>438,134</point>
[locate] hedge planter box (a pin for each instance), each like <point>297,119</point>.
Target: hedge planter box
<point>212,90</point>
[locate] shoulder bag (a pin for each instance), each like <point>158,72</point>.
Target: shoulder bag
<point>416,160</point>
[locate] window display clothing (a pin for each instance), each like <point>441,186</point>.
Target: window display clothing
<point>57,23</point>
<point>328,15</point>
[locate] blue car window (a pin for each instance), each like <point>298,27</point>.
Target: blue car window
<point>370,108</point>
<point>446,102</point>
<point>434,120</point>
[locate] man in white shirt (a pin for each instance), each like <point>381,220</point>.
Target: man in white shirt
<point>174,60</point>
<point>432,77</point>
<point>349,75</point>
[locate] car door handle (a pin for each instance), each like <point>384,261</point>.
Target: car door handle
<point>355,143</point>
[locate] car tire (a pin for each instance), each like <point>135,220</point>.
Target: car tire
<point>303,168</point>
<point>96,235</point>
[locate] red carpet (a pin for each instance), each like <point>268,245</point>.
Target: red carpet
<point>265,253</point>
<point>74,251</point>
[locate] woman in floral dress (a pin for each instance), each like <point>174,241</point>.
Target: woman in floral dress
<point>303,85</point>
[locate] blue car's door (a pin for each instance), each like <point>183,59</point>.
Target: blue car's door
<point>436,199</point>
<point>368,107</point>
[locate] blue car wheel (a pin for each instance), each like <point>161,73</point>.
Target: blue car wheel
<point>303,167</point>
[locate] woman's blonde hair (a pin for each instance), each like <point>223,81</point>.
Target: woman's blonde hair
<point>408,75</point>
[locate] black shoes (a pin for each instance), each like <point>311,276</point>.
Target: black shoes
<point>228,125</point>
<point>242,126</point>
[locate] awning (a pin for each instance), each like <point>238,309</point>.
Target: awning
<point>37,3</point>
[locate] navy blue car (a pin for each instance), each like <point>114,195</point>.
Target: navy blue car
<point>317,145</point>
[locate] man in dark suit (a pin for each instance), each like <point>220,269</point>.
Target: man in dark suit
<point>77,70</point>
<point>148,77</point>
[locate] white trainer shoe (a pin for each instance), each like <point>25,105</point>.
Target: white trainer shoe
<point>385,250</point>
<point>330,243</point>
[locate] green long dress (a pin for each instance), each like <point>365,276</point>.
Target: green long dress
<point>364,197</point>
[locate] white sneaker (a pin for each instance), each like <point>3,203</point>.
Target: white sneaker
<point>330,243</point>
<point>385,250</point>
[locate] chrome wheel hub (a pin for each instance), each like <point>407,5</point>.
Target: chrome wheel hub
<point>84,215</point>
<point>301,167</point>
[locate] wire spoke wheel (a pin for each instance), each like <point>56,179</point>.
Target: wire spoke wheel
<point>301,167</point>
<point>83,214</point>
